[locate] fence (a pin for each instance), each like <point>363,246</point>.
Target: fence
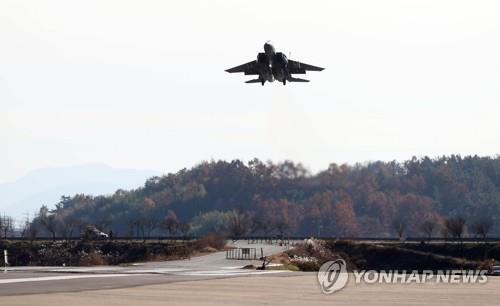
<point>242,254</point>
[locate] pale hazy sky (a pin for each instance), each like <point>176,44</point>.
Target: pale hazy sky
<point>141,84</point>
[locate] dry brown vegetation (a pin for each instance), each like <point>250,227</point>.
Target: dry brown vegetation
<point>310,256</point>
<point>88,253</point>
<point>211,241</point>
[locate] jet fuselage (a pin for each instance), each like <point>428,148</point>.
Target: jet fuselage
<point>271,65</point>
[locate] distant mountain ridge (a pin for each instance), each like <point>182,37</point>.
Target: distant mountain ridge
<point>46,186</point>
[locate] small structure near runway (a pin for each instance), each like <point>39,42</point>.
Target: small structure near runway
<point>5,260</point>
<point>242,254</point>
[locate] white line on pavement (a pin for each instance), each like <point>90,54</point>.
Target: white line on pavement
<point>53,278</point>
<point>227,273</point>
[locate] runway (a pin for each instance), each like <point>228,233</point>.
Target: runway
<point>298,288</point>
<point>36,280</point>
<point>214,280</point>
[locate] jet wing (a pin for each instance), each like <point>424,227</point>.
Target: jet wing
<point>301,68</point>
<point>249,68</point>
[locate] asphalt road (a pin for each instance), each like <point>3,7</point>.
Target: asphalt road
<point>297,288</point>
<point>214,280</point>
<point>38,280</point>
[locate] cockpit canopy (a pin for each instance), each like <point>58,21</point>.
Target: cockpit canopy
<point>269,48</point>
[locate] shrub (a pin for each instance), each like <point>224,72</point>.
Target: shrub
<point>307,266</point>
<point>92,259</point>
<point>215,241</point>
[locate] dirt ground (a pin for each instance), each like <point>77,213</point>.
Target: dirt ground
<point>273,290</point>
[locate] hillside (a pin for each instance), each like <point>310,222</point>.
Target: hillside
<point>374,199</point>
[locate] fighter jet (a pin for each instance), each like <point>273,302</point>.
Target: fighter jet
<point>271,65</point>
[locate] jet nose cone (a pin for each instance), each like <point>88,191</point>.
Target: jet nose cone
<point>268,47</point>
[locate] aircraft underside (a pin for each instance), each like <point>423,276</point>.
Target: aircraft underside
<point>273,66</point>
<point>281,76</point>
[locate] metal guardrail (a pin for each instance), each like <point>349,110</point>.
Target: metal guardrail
<point>242,254</point>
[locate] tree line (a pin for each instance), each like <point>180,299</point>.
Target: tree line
<point>450,196</point>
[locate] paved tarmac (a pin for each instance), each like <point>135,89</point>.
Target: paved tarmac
<point>214,280</point>
<point>297,288</point>
<point>36,280</point>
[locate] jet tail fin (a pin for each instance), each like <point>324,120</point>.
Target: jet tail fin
<point>254,81</point>
<point>298,80</point>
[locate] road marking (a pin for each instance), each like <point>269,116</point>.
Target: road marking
<point>53,278</point>
<point>155,271</point>
<point>227,273</point>
<point>86,269</point>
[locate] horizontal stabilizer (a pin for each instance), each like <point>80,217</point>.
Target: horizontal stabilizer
<point>298,80</point>
<point>254,81</point>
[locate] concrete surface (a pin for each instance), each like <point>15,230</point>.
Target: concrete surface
<point>292,289</point>
<point>213,280</point>
<point>33,280</point>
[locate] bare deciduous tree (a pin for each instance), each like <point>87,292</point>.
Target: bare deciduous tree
<point>482,226</point>
<point>48,221</point>
<point>399,226</point>
<point>184,228</point>
<point>170,223</point>
<point>6,225</point>
<point>33,231</point>
<point>149,225</point>
<point>24,226</point>
<point>455,226</point>
<point>238,224</point>
<point>428,227</point>
<point>258,225</point>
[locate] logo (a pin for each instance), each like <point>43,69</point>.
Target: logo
<point>333,276</point>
